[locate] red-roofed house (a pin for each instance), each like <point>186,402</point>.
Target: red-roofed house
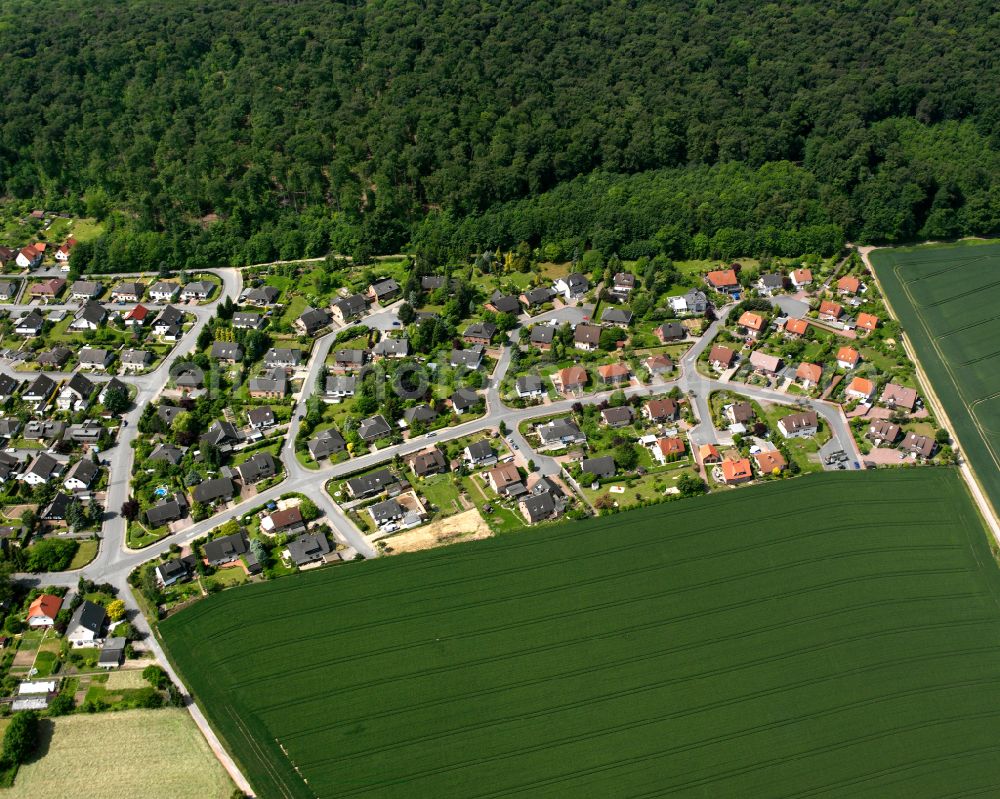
<point>614,373</point>
<point>721,357</point>
<point>848,357</point>
<point>860,389</point>
<point>801,278</point>
<point>668,449</point>
<point>723,280</point>
<point>31,256</point>
<point>47,289</point>
<point>734,472</point>
<point>42,612</point>
<point>752,323</point>
<point>137,316</point>
<point>771,462</point>
<point>572,378</point>
<point>809,374</point>
<point>848,285</point>
<point>796,327</point>
<point>830,311</point>
<point>708,453</point>
<point>63,253</point>
<point>867,322</point>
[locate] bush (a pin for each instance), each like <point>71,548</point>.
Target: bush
<point>20,738</point>
<point>155,676</point>
<point>50,555</point>
<point>61,705</point>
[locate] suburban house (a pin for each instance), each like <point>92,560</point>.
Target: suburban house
<point>479,454</point>
<point>861,389</point>
<point>90,316</point>
<point>64,251</point>
<point>433,282</point>
<point>226,352</point>
<point>8,385</point>
<point>504,303</point>
<point>724,281</point>
<point>95,358</point>
<point>81,475</point>
<point>721,358</point>
<point>136,360</point>
<point>586,337</point>
<point>8,289</point>
<point>43,610</point>
<point>541,336</point>
<point>44,429</point>
<point>75,394</point>
<point>830,311</point>
<point>848,286</point>
<point>533,298</point>
<point>505,480</point>
<point>422,414</point>
<point>164,291</point>
<point>770,462</point>
<point>367,485</point>
<point>660,410</point>
<point>794,328</point>
<point>799,425</point>
<point>136,316</point>
<point>802,278</point>
<point>463,399</point>
<point>770,284</point>
<point>384,290</point>
<point>226,549</point>
<point>168,323</point>
<point>47,289</point>
<point>273,385</point>
<point>386,514</point>
<point>694,302</point>
<point>257,467</point>
<point>112,653</point>
<point>735,472</point>
<point>658,364</point>
<point>740,412</point>
<point>340,387</point>
<point>260,296</point>
<point>282,357</point>
<point>480,333</point>
<point>88,432</point>
<point>311,321</point>
<point>247,320</point>
<point>326,443</point>
<point>537,507</point>
<point>42,468</point>
<point>391,348</point>
<point>173,571</point>
<point>848,357</point>
<point>470,357</point>
<point>751,324</point>
<point>617,417</point>
<point>918,446</point>
<point>127,291</point>
<point>428,462</point>
<point>572,287</point>
<point>349,360</point>
<point>809,374</point>
<point>29,257</point>
<point>622,285</point>
<point>667,449</point>
<point>670,331</point>
<point>210,491</point>
<point>374,428</point>
<point>261,418</point>
<point>347,308</point>
<point>598,468</point>
<point>882,431</point>
<point>558,432</point>
<point>39,390</point>
<point>30,324</point>
<point>570,380</point>
<point>308,548</point>
<point>614,374</point>
<point>197,290</point>
<point>866,322</point>
<point>896,396</point>
<point>221,434</point>
<point>86,627</point>
<point>85,289</point>
<point>709,453</point>
<point>168,453</point>
<point>616,317</point>
<point>765,364</point>
<point>287,520</point>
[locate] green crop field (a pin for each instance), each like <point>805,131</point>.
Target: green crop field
<point>835,635</point>
<point>947,299</point>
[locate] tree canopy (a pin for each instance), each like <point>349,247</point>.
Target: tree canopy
<point>236,131</point>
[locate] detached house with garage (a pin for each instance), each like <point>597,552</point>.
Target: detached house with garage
<point>90,317</point>
<point>572,287</point>
<point>349,308</point>
<point>164,291</point>
<point>86,627</point>
<point>799,425</point>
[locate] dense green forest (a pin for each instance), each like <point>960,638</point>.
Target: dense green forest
<point>208,131</point>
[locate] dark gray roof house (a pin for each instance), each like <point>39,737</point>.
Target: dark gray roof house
<point>388,510</point>
<point>538,296</point>
<point>40,389</point>
<point>226,549</point>
<point>308,548</point>
<point>87,622</point>
<point>209,491</point>
<point>247,320</point>
<point>261,418</point>
<point>542,335</point>
<point>420,413</point>
<point>257,467</point>
<point>537,507</point>
<point>226,351</point>
<point>312,320</point>
<point>167,510</point>
<point>599,467</point>
<point>616,316</point>
<point>369,484</point>
<point>349,307</point>
<point>57,356</point>
<point>480,452</point>
<point>373,428</point>
<point>168,453</point>
<point>326,443</point>
<point>465,398</point>
<point>505,303</point>
<point>222,434</point>
<point>471,357</point>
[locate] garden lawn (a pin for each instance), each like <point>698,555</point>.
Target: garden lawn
<point>730,645</point>
<point>135,753</point>
<point>86,552</point>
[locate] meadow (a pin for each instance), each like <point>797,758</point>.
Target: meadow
<point>946,299</point>
<point>134,753</point>
<point>838,634</point>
